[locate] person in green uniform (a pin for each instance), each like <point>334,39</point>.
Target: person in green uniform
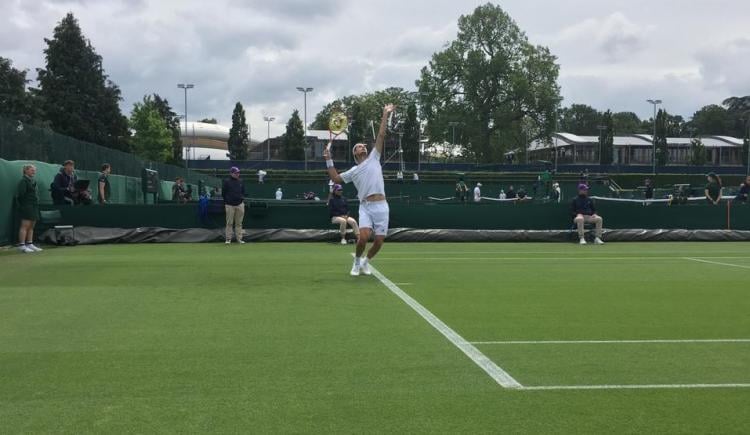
<point>27,204</point>
<point>713,188</point>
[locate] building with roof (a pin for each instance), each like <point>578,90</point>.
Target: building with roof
<point>203,141</point>
<point>634,150</point>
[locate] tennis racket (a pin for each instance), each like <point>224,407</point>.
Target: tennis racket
<point>337,124</point>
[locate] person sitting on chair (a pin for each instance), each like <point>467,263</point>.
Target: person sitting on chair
<point>179,191</point>
<point>339,212</point>
<point>63,185</point>
<point>584,212</point>
<point>742,195</point>
<point>713,188</point>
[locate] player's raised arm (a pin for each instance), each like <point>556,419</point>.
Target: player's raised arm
<point>383,124</point>
<point>333,174</point>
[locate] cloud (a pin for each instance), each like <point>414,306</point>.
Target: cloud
<point>615,37</point>
<point>725,66</point>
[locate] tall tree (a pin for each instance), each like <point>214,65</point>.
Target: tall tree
<point>76,96</point>
<point>662,152</point>
<point>173,124</point>
<point>491,79</point>
<point>369,104</point>
<point>739,107</point>
<point>239,135</point>
<point>607,138</point>
<point>580,119</point>
<point>411,131</point>
<point>698,155</point>
<point>293,147</point>
<point>627,123</point>
<point>152,139</point>
<point>711,120</point>
<point>15,101</point>
<point>357,124</point>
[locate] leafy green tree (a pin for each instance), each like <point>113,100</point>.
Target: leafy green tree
<point>580,119</point>
<point>662,152</point>
<point>152,139</point>
<point>698,155</point>
<point>209,121</point>
<point>239,135</point>
<point>410,140</point>
<point>357,124</point>
<point>15,101</point>
<point>293,147</point>
<point>712,120</point>
<point>607,138</point>
<point>491,79</point>
<point>627,123</point>
<point>369,104</point>
<point>75,95</point>
<point>173,123</point>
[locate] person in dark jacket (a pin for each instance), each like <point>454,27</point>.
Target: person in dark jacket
<point>584,212</point>
<point>180,192</point>
<point>713,188</point>
<point>511,193</point>
<point>233,192</point>
<point>27,205</point>
<point>742,195</point>
<point>338,210</point>
<point>63,186</point>
<point>648,192</point>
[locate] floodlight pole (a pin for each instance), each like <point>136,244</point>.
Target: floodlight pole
<point>653,156</point>
<point>305,90</point>
<point>268,120</point>
<point>186,86</point>
<point>453,125</point>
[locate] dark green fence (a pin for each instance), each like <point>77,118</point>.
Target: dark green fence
<point>27,142</point>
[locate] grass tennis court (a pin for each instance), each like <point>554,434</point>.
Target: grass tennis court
<point>632,337</point>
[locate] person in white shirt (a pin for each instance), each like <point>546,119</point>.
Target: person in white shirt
<point>261,176</point>
<point>279,194</point>
<point>502,194</point>
<point>367,177</point>
<point>478,192</point>
<point>399,177</point>
<point>415,178</point>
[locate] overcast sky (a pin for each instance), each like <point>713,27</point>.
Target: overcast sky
<point>613,54</point>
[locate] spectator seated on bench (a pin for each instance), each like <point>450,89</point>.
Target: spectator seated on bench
<point>583,211</point>
<point>338,210</point>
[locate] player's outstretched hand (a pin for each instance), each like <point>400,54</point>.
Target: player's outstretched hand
<point>388,109</point>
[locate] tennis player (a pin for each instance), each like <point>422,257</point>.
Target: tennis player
<point>367,177</point>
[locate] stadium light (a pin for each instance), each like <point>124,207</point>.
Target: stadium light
<point>653,138</point>
<point>186,86</point>
<point>268,120</point>
<point>305,90</point>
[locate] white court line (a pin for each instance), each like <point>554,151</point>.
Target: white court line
<point>716,262</point>
<point>498,374</point>
<point>568,258</point>
<point>403,283</point>
<point>719,340</point>
<point>631,387</point>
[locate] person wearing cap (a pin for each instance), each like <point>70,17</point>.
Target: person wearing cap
<point>584,212</point>
<point>367,177</point>
<point>478,192</point>
<point>713,188</point>
<point>338,209</point>
<point>233,192</point>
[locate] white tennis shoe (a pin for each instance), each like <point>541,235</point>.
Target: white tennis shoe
<point>355,269</point>
<point>598,241</point>
<point>364,267</point>
<point>34,248</point>
<point>582,241</point>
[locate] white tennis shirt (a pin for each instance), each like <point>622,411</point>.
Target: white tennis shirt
<point>366,176</point>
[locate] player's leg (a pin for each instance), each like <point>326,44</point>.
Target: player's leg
<point>341,222</point>
<point>379,214</point>
<point>239,217</point>
<point>23,229</point>
<point>355,227</point>
<point>375,247</point>
<point>599,224</point>
<point>229,211</point>
<point>579,221</point>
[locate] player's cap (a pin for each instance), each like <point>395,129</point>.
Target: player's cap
<point>583,187</point>
<point>337,187</point>
<point>234,170</point>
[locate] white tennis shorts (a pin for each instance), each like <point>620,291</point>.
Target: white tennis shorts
<point>374,215</point>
